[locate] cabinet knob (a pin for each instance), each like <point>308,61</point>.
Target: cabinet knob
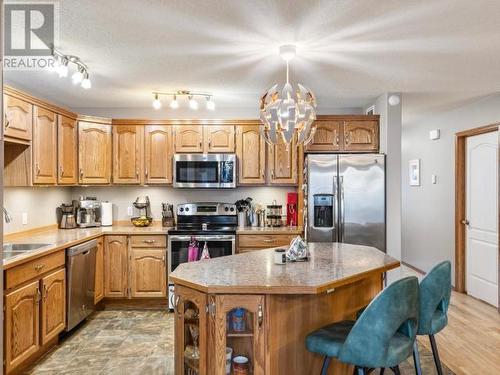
<point>201,144</point>
<point>465,222</point>
<point>38,267</point>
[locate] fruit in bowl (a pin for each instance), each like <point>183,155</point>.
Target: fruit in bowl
<point>141,221</point>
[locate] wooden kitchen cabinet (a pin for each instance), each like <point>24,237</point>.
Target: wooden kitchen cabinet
<point>148,273</point>
<point>218,139</point>
<point>251,154</point>
<point>188,138</point>
<point>18,118</point>
<point>44,146</point>
<point>53,305</point>
<point>94,153</point>
<point>158,151</point>
<point>116,266</point>
<point>190,301</point>
<point>99,271</point>
<point>282,163</point>
<point>67,146</point>
<point>249,343</point>
<point>127,154</point>
<point>327,137</point>
<point>22,325</point>
<point>361,136</point>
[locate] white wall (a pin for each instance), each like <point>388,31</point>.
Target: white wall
<point>123,196</point>
<point>38,202</point>
<point>428,210</point>
<point>390,144</point>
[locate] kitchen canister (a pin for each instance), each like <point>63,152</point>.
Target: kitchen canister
<point>241,365</point>
<point>279,256</point>
<point>229,354</point>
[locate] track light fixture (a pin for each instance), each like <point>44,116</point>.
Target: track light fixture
<point>62,64</point>
<point>191,96</point>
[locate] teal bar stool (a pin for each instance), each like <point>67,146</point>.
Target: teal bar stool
<point>435,292</point>
<point>382,336</point>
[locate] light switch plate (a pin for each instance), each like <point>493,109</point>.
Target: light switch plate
<point>434,134</point>
<point>130,212</point>
<point>434,179</point>
<point>24,218</point>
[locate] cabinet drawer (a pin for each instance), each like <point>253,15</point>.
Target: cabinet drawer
<point>264,240</point>
<point>34,268</point>
<point>149,241</point>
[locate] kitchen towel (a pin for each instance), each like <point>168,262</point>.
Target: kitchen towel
<point>106,213</point>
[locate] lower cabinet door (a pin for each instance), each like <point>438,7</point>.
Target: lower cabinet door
<point>190,331</point>
<point>99,271</point>
<point>237,322</point>
<point>22,325</point>
<point>53,305</point>
<point>115,267</point>
<point>148,273</point>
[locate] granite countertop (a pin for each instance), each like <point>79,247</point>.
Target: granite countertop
<point>270,230</point>
<point>331,265</point>
<point>64,238</point>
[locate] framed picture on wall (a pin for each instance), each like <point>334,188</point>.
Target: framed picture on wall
<point>414,169</point>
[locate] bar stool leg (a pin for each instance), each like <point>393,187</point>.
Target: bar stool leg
<point>382,370</point>
<point>361,371</point>
<point>435,354</point>
<point>416,358</point>
<point>326,364</point>
<point>395,370</point>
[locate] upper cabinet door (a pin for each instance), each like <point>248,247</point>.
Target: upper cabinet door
<point>158,154</point>
<point>127,154</point>
<point>44,146</point>
<point>218,138</point>
<point>188,138</point>
<point>251,153</point>
<point>94,153</point>
<point>18,118</point>
<point>67,140</point>
<point>282,164</point>
<point>326,137</point>
<point>361,136</point>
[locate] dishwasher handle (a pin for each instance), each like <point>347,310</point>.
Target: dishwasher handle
<point>83,248</point>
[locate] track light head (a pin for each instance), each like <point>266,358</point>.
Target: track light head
<point>156,102</point>
<point>174,104</point>
<point>78,76</point>
<point>62,69</point>
<point>193,104</point>
<point>86,84</point>
<point>210,103</point>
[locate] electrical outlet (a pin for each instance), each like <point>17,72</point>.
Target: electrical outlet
<point>130,212</point>
<point>24,218</point>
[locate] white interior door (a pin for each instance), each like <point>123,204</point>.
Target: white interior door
<point>482,215</point>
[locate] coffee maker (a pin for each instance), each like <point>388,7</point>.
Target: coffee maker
<point>88,213</point>
<point>66,216</point>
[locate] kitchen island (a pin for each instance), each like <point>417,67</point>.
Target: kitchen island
<point>264,311</point>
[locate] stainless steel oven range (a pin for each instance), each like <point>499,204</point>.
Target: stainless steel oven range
<point>211,223</point>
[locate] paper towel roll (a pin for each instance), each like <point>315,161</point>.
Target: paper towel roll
<point>106,213</point>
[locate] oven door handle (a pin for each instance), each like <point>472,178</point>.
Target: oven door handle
<point>218,237</point>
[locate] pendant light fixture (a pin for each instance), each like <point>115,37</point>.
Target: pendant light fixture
<point>287,113</point>
<point>63,62</point>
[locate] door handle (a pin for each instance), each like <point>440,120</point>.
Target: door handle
<point>465,222</point>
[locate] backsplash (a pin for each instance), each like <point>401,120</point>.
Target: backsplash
<point>123,196</point>
<point>39,203</point>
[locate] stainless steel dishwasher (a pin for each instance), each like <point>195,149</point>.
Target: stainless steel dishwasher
<point>80,268</point>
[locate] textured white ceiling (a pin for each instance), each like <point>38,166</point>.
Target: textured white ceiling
<point>349,51</point>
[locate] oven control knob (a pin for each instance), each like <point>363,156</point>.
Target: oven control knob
<point>232,209</point>
<point>187,209</point>
<point>226,209</point>
<point>181,209</point>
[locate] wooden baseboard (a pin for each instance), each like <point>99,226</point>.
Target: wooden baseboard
<point>138,303</point>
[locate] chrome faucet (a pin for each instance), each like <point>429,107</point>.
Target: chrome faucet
<point>6,215</point>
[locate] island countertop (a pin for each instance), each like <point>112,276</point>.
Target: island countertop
<point>331,265</point>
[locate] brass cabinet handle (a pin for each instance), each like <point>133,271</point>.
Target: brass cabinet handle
<point>45,292</point>
<point>38,295</point>
<point>465,222</point>
<point>201,143</point>
<point>136,174</point>
<point>260,316</point>
<point>267,241</point>
<point>347,140</point>
<point>337,139</point>
<point>146,173</point>
<point>81,172</point>
<point>6,120</point>
<point>37,169</point>
<point>61,170</point>
<point>163,259</point>
<point>149,241</point>
<point>262,173</point>
<point>272,174</point>
<point>39,267</point>
<point>209,143</point>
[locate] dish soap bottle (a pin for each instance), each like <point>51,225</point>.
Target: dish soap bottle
<point>205,254</point>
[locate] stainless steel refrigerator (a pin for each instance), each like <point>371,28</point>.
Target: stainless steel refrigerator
<point>346,199</point>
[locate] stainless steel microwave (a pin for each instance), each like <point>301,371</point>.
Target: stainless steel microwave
<point>208,171</point>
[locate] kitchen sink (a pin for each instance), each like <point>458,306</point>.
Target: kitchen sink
<point>13,249</point>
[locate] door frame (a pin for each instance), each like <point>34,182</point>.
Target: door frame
<point>460,201</point>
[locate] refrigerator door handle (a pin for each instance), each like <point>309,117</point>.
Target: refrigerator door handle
<point>342,209</point>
